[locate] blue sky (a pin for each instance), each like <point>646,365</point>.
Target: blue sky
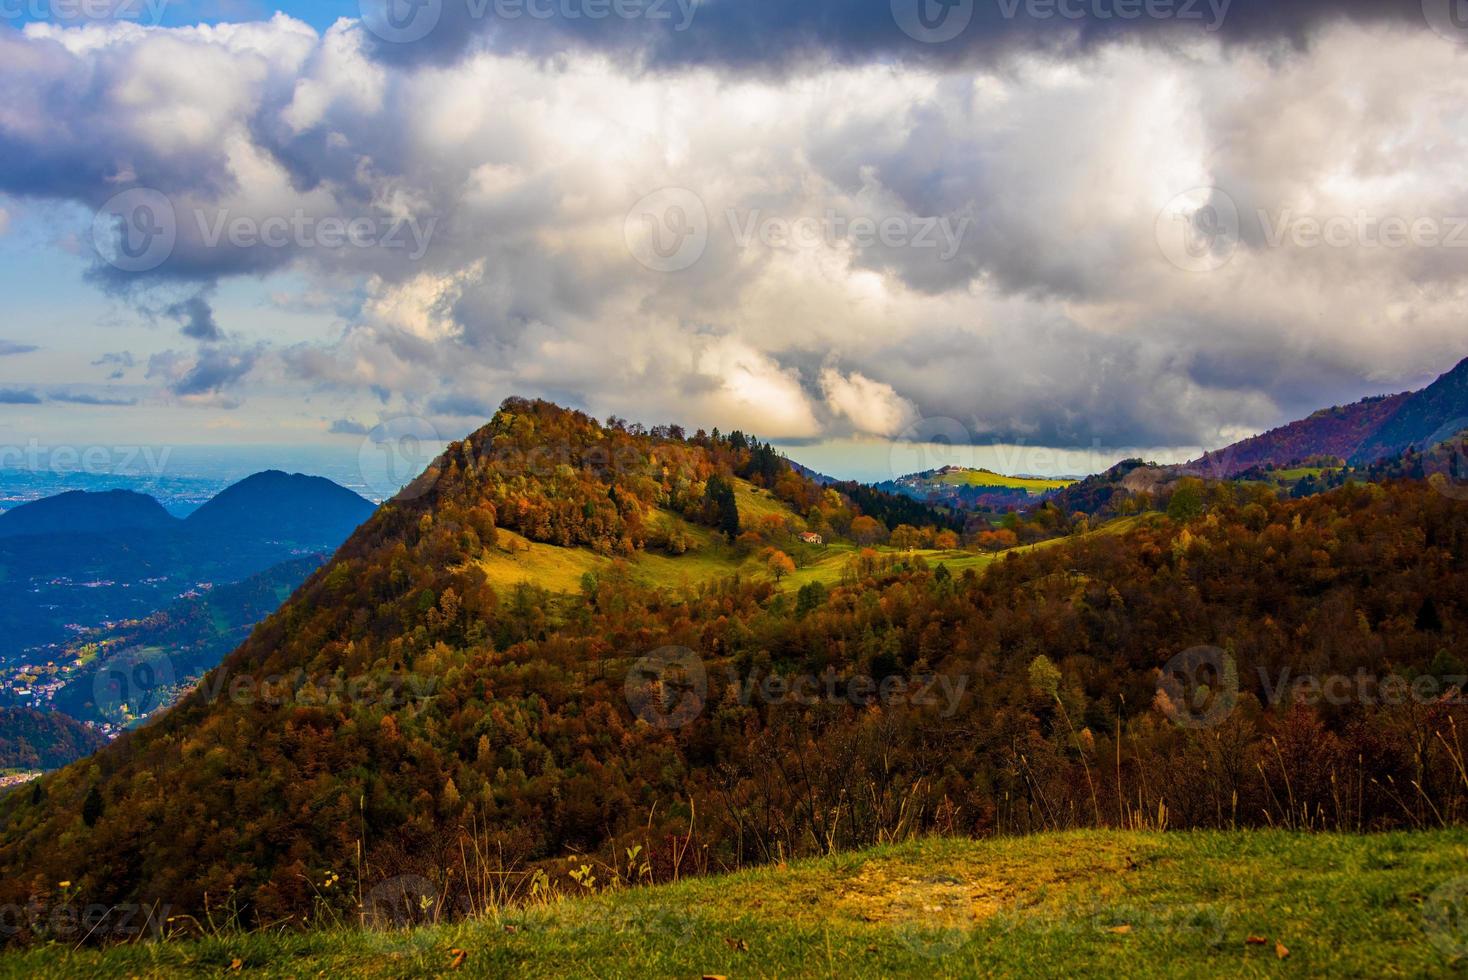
<point>822,222</point>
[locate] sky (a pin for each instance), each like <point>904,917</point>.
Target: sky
<point>1052,232</point>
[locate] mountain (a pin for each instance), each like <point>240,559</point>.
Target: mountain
<point>1333,433</point>
<point>285,506</point>
<point>86,512</point>
<point>80,560</point>
<point>31,739</point>
<point>1432,415</point>
<point>418,712</point>
<point>1365,432</point>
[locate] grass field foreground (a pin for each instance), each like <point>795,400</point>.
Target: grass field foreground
<point>1085,904</point>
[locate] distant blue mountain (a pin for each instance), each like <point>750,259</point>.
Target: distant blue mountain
<point>83,512</point>
<point>80,559</point>
<point>283,507</point>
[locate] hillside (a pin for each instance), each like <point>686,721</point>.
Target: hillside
<point>31,739</point>
<point>1075,904</point>
<point>1432,415</point>
<point>1363,433</point>
<point>404,713</point>
<point>1336,433</point>
<point>86,512</point>
<point>965,487</point>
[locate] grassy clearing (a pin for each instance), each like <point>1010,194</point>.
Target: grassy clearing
<point>986,478</point>
<point>1079,904</point>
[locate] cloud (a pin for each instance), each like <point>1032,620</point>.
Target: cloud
<point>8,347</point>
<point>205,376</point>
<point>347,427</point>
<point>461,406</point>
<point>873,407</point>
<point>16,396</point>
<point>84,398</point>
<point>1011,279</point>
<point>197,318</point>
<point>763,36</point>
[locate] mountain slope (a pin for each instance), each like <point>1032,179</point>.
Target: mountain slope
<point>284,506</point>
<point>86,512</point>
<point>1432,415</point>
<point>1331,432</point>
<point>401,711</point>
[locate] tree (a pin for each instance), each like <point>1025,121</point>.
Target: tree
<point>778,563</point>
<point>1187,501</point>
<point>867,530</point>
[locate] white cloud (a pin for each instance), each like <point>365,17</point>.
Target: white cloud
<point>1054,318</point>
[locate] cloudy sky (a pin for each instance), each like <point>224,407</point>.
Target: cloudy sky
<point>1080,224</point>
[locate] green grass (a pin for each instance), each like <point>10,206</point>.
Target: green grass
<point>986,478</point>
<point>1088,904</point>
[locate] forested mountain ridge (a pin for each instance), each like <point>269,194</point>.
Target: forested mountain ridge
<point>1362,433</point>
<point>400,711</point>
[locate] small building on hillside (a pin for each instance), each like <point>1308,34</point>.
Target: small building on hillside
<point>811,537</point>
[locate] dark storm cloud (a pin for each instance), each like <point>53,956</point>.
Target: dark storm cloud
<point>197,318</point>
<point>210,371</point>
<point>781,35</point>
